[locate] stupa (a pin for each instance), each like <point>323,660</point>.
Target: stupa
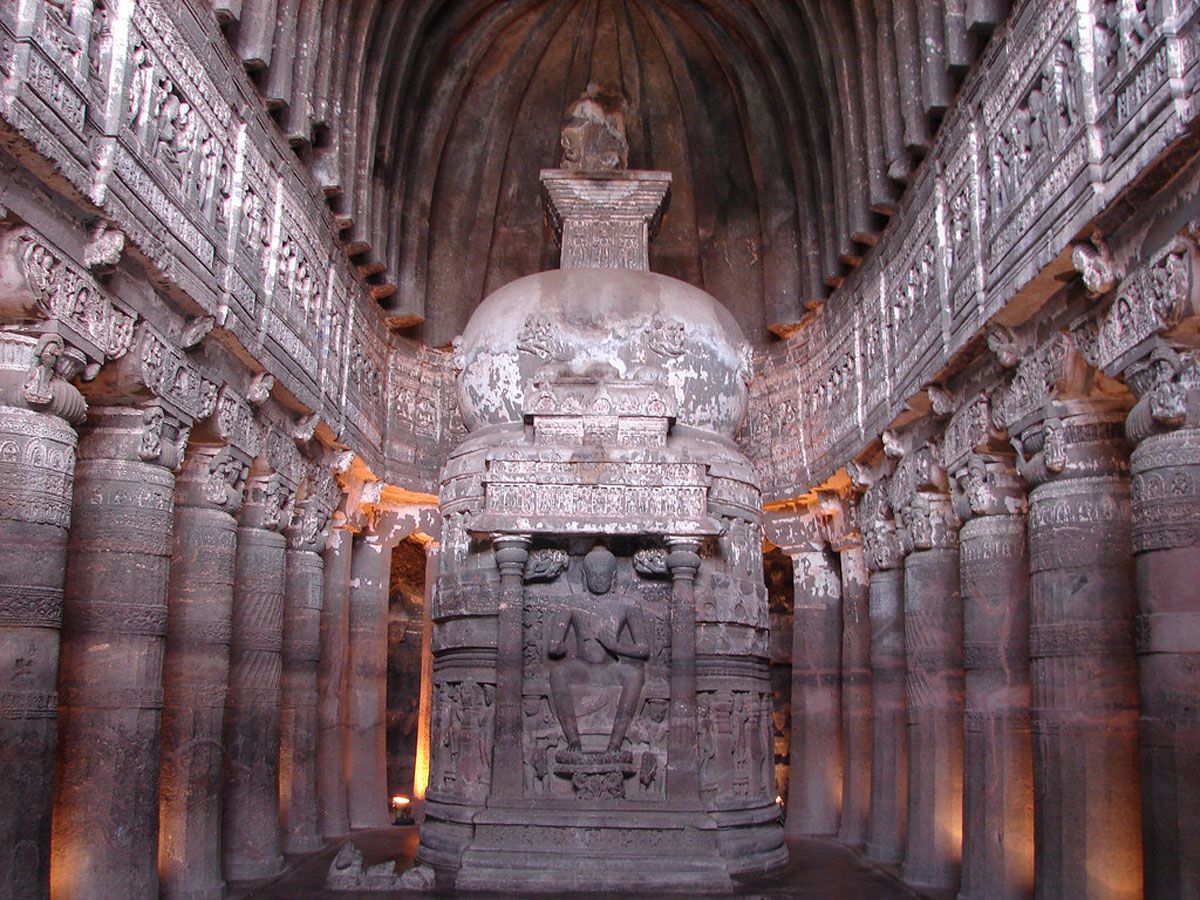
<point>601,711</point>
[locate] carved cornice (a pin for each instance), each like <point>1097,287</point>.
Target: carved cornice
<point>1054,371</point>
<point>166,373</point>
<point>802,530</point>
<point>235,424</point>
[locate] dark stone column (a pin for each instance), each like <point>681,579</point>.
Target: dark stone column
<point>298,706</point>
<point>856,693</point>
<point>508,765</point>
<point>333,817</point>
<point>1087,819</point>
<point>886,824</point>
<point>814,793</point>
<point>250,835</point>
<point>683,779</point>
<point>37,469</point>
<point>998,784</point>
<point>110,686</point>
<point>933,641</point>
<point>366,688</point>
<point>196,672</point>
<point>1166,547</point>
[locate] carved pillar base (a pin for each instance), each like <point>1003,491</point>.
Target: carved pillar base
<point>814,795</point>
<point>856,698</point>
<point>298,729</point>
<point>998,788</point>
<point>366,690</point>
<point>1166,544</point>
<point>250,816</point>
<point>333,817</point>
<point>105,833</point>
<point>886,826</point>
<point>1087,820</point>
<point>196,674</point>
<point>37,462</point>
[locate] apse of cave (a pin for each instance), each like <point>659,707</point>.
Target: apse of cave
<point>608,447</point>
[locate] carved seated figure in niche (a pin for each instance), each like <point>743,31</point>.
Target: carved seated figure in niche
<point>610,646</point>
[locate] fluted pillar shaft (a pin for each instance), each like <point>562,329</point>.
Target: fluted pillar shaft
<point>333,817</point>
<point>37,469</point>
<point>998,785</point>
<point>814,794</point>
<point>683,775</point>
<point>196,672</point>
<point>250,817</point>
<point>933,640</point>
<point>512,551</point>
<point>1165,465</point>
<point>886,823</point>
<point>298,707</point>
<point>105,830</point>
<point>1087,822</point>
<point>366,688</point>
<point>855,696</point>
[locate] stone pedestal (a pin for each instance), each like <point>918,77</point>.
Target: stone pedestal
<point>298,705</point>
<point>250,815</point>
<point>886,824</point>
<point>196,673</point>
<point>366,686</point>
<point>105,838</point>
<point>856,697</point>
<point>37,464</point>
<point>814,794</point>
<point>333,818</point>
<point>1087,819</point>
<point>998,846</point>
<point>934,697</point>
<point>1166,545</point>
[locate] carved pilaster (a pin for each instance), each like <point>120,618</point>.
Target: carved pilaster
<point>816,746</point>
<point>208,492</point>
<point>1072,453</point>
<point>994,569</point>
<point>511,552</point>
<point>1145,338</point>
<point>250,834</point>
<point>301,657</point>
<point>889,734</point>
<point>683,562</point>
<point>933,636</point>
<point>110,676</point>
<point>845,538</point>
<point>37,466</point>
<point>333,817</point>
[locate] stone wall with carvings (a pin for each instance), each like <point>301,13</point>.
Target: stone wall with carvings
<point>1053,133</point>
<point>140,119</point>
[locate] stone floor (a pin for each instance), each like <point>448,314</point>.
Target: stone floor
<point>819,869</point>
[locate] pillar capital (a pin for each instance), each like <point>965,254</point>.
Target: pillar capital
<point>920,498</point>
<point>881,543</point>
<point>512,551</point>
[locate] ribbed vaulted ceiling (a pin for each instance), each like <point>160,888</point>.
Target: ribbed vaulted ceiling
<point>790,126</point>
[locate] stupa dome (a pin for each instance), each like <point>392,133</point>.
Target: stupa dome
<point>607,325</point>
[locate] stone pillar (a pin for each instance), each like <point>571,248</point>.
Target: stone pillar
<point>305,586</point>
<point>37,468</point>
<point>887,820</point>
<point>366,687</point>
<point>110,687</point>
<point>1087,821</point>
<point>196,672</point>
<point>333,817</point>
<point>933,647</point>
<point>425,702</point>
<point>814,792</point>
<point>508,766</point>
<point>1165,425</point>
<point>856,692</point>
<point>998,845</point>
<point>250,835</point>
<point>683,780</point>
